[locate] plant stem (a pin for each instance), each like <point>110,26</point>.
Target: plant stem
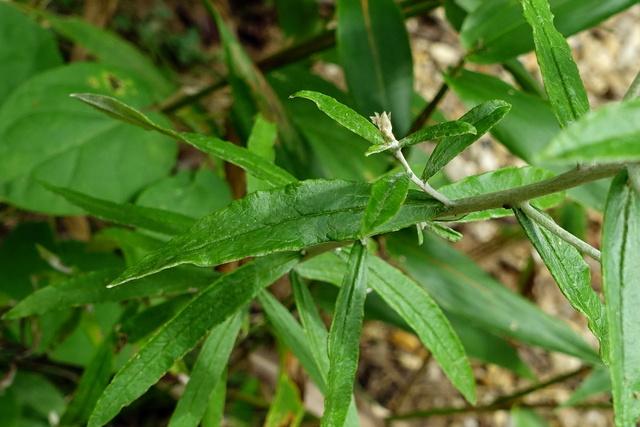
<point>582,174</point>
<point>634,89</point>
<point>424,186</point>
<point>554,228</point>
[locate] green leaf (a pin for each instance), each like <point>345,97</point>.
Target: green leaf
<point>329,139</point>
<point>288,218</point>
<point>314,328</point>
<point>286,407</point>
<point>498,180</point>
<point>387,195</point>
<point>111,49</point>
<point>620,277</point>
<point>161,221</point>
<point>261,142</point>
<point>90,288</point>
<point>496,30</point>
<point>438,131</point>
<point>207,372</point>
<point>344,115</point>
<point>45,135</point>
<point>442,231</point>
<point>344,338</point>
<point>560,74</point>
<point>598,381</point>
<point>26,49</point>
<point>479,343</point>
<point>527,418</point>
<point>210,308</point>
<point>96,375</point>
<point>240,156</point>
<point>608,134</point>
<point>191,193</point>
<point>299,18</point>
<point>293,336</point>
<point>373,45</point>
<point>252,90</point>
<point>425,317</point>
<point>482,117</point>
<point>530,123</point>
<point>459,286</point>
<point>571,273</point>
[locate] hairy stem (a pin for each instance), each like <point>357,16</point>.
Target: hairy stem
<point>554,228</point>
<point>424,186</point>
<point>634,89</point>
<point>582,174</point>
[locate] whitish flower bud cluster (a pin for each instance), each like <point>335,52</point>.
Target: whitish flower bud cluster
<point>383,123</point>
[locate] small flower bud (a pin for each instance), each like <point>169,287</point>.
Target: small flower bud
<point>383,123</point>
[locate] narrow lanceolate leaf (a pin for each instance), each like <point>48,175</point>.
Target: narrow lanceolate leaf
<point>206,373</point>
<point>483,117</point>
<point>239,156</point>
<point>344,338</point>
<point>288,218</point>
<point>373,45</point>
<point>428,321</point>
<point>571,273</point>
<point>621,278</point>
<point>608,134</point>
<point>292,335</point>
<point>438,131</point>
<point>459,286</point>
<point>96,375</point>
<point>213,306</point>
<point>387,195</point>
<point>344,115</point>
<point>560,74</point>
<point>152,219</point>
<point>90,288</point>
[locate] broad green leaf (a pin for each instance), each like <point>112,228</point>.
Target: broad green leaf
<point>560,74</point>
<point>38,395</point>
<point>620,279</point>
<point>344,115</point>
<point>26,49</point>
<point>608,134</point>
<point>210,308</point>
<point>479,343</point>
<point>598,381</point>
<point>374,49</point>
<point>161,221</point>
<point>293,336</point>
<point>571,273</point>
<point>250,87</point>
<point>215,409</point>
<point>459,286</point>
<point>90,288</point>
<point>96,376</point>
<point>142,325</point>
<point>341,148</point>
<point>286,407</point>
<point>530,123</point>
<point>111,49</point>
<point>387,195</point>
<point>482,117</point>
<point>498,180</point>
<point>289,218</point>
<point>496,31</point>
<point>207,372</point>
<point>343,344</point>
<point>45,135</point>
<point>191,193</point>
<point>232,153</point>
